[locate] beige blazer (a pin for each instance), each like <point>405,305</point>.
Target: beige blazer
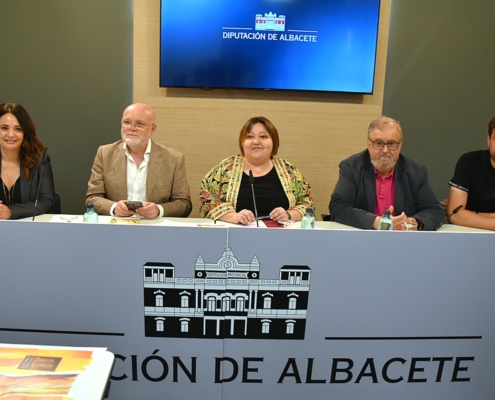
<point>166,182</point>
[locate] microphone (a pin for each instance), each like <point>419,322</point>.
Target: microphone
<point>251,182</point>
<point>454,211</point>
<point>43,161</point>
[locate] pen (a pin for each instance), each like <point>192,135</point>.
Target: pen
<point>264,217</point>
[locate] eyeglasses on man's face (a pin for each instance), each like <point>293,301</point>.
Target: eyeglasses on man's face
<point>127,123</point>
<point>379,144</point>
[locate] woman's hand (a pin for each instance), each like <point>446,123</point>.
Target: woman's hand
<point>243,217</point>
<point>278,214</point>
<point>5,212</point>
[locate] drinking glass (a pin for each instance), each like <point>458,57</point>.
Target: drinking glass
<point>409,226</point>
<point>285,222</point>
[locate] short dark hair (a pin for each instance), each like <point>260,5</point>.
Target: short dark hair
<point>491,126</point>
<point>31,147</point>
<point>270,128</point>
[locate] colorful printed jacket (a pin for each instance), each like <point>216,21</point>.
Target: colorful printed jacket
<point>220,187</point>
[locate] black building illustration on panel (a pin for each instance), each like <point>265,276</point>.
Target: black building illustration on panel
<point>225,299</point>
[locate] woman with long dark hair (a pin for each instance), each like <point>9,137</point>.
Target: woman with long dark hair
<point>21,162</point>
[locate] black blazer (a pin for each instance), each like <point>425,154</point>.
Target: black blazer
<point>353,199</point>
<point>29,188</point>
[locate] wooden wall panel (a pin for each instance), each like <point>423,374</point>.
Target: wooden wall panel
<point>317,130</point>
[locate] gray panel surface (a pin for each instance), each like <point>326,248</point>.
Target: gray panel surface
<point>374,297</point>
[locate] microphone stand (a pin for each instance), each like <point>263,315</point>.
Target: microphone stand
<point>39,182</point>
<point>251,182</point>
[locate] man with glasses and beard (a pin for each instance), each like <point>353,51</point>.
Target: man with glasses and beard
<point>138,175</point>
<point>379,179</point>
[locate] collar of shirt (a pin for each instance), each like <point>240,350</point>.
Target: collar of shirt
<point>388,176</point>
<point>147,152</point>
<point>136,177</point>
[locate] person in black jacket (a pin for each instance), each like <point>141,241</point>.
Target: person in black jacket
<point>22,157</point>
<point>379,179</point>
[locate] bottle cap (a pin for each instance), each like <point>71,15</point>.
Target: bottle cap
<point>386,213</point>
<point>309,210</point>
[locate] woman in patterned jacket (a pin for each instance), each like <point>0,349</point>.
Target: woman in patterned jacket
<point>281,191</point>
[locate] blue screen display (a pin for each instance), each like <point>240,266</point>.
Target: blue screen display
<point>320,45</point>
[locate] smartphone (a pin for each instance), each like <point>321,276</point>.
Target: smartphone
<point>133,205</point>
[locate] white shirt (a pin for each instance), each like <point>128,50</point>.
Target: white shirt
<point>136,179</point>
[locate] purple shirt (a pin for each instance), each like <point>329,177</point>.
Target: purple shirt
<point>385,193</point>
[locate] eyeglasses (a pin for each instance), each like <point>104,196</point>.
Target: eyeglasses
<point>139,125</point>
<point>379,144</point>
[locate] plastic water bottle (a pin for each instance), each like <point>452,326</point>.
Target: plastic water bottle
<point>385,223</point>
<point>308,221</point>
<point>90,214</point>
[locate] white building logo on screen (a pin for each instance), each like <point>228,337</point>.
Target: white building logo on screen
<point>270,22</point>
<point>225,299</point>
<point>269,27</point>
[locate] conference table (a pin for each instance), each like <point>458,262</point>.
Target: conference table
<point>193,308</point>
<point>205,222</point>
<point>172,221</point>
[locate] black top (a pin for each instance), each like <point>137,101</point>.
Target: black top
<point>268,191</point>
<point>475,175</point>
<point>13,194</point>
<point>28,189</point>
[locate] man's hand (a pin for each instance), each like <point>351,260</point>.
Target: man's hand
<point>148,210</point>
<point>121,210</point>
<point>444,203</point>
<point>399,219</point>
<point>396,220</point>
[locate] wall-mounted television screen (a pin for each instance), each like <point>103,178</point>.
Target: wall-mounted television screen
<point>315,45</point>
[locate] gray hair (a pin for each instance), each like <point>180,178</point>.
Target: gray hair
<point>384,123</point>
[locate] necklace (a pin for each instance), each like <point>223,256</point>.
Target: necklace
<point>8,193</point>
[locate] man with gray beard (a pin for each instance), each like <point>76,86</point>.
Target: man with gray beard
<point>137,175</point>
<point>379,179</point>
